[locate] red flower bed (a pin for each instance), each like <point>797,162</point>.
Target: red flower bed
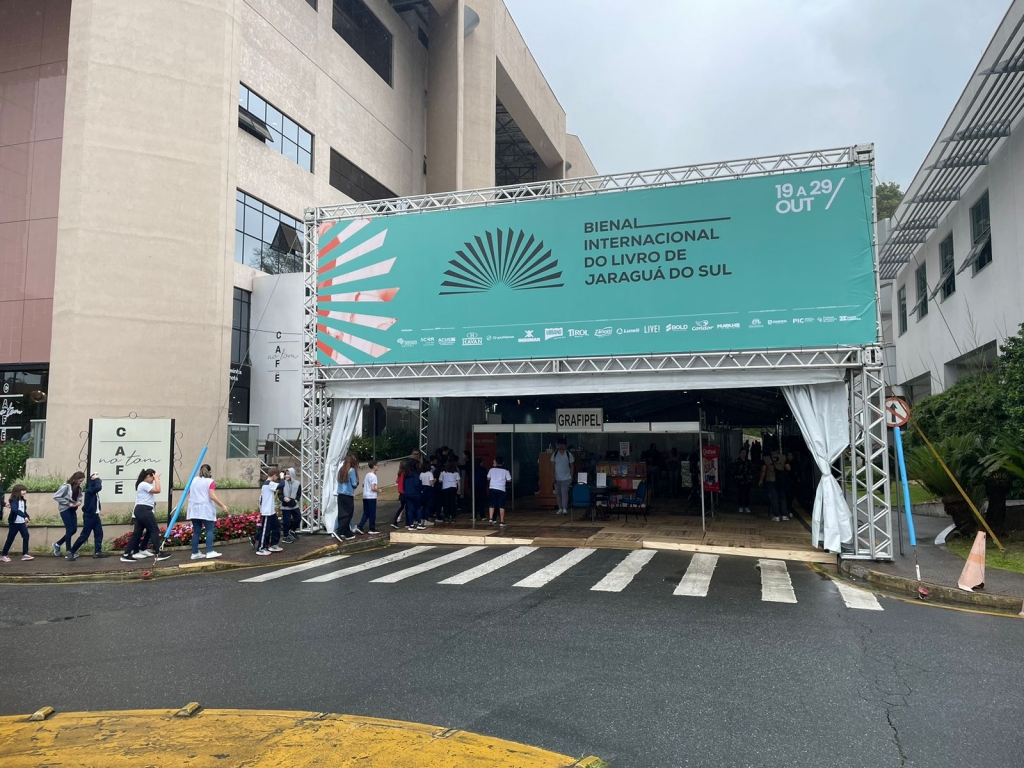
<point>226,528</point>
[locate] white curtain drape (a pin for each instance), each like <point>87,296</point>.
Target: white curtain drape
<point>821,410</point>
<point>348,414</point>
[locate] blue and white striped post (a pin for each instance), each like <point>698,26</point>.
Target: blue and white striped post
<point>906,497</point>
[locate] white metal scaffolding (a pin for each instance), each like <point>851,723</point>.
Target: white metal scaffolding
<point>865,466</point>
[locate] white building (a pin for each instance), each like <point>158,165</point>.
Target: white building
<point>955,253</point>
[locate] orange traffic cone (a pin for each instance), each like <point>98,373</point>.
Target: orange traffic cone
<point>973,575</point>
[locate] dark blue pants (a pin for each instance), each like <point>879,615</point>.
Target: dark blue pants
<point>270,531</point>
<point>70,519</point>
<point>15,529</point>
<point>412,511</point>
<point>90,525</point>
<point>346,508</point>
<point>451,502</point>
<point>403,502</point>
<point>369,515</point>
<point>291,519</point>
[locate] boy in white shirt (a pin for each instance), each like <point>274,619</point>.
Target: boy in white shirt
<point>498,479</point>
<point>369,500</point>
<point>270,528</point>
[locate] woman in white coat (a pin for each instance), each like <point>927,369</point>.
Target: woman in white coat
<point>201,500</point>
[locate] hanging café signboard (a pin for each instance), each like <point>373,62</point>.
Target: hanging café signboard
<point>782,261</point>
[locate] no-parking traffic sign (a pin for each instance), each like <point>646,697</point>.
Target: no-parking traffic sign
<point>897,412</point>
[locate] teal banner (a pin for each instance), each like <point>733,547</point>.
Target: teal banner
<point>769,262</point>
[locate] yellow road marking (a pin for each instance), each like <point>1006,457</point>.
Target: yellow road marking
<point>257,739</point>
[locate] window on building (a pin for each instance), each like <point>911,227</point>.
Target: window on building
<point>355,182</point>
<point>239,378</point>
<point>265,238</point>
<point>901,298</point>
<point>921,308</point>
<point>981,235</point>
<point>23,395</point>
<point>364,32</point>
<point>947,274</point>
<point>269,124</point>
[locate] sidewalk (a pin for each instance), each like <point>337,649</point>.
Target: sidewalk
<point>236,554</point>
<point>1003,589</point>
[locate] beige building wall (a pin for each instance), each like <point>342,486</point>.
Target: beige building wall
<point>152,156</point>
<point>578,163</point>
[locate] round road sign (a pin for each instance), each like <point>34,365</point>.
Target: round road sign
<point>897,412</point>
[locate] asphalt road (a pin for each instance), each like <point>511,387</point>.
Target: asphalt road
<point>640,677</point>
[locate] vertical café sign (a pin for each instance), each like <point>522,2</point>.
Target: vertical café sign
<point>10,409</point>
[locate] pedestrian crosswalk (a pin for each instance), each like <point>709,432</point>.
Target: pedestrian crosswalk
<point>692,575</point>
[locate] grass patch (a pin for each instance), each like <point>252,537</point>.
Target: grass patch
<point>918,493</point>
<point>1012,559</point>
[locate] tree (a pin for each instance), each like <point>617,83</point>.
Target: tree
<point>888,196</point>
<point>963,456</point>
<point>972,406</point>
<point>1011,381</point>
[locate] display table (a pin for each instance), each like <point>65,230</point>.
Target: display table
<point>621,479</point>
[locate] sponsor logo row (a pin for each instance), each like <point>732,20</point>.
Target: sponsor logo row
<point>549,334</point>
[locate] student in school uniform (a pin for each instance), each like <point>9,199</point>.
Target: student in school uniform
<point>368,524</point>
<point>412,495</point>
<point>450,480</point>
<point>402,501</point>
<point>91,523</point>
<point>428,496</point>
<point>498,479</point>
<point>270,528</point>
<point>17,520</point>
<point>147,486</point>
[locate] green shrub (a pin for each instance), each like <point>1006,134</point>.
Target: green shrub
<point>390,445</point>
<point>13,457</point>
<point>44,484</point>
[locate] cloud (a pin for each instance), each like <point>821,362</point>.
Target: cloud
<point>655,83</point>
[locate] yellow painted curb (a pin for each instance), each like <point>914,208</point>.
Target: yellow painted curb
<point>257,739</point>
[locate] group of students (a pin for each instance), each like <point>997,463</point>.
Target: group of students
<point>274,532</point>
<point>348,482</point>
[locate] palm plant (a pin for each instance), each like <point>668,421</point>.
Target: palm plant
<point>963,455</point>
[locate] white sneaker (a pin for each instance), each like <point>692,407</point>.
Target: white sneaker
<point>775,519</point>
<point>198,556</point>
<point>263,552</point>
<point>212,555</point>
<point>140,556</point>
<point>146,553</point>
<point>276,548</point>
<point>785,517</point>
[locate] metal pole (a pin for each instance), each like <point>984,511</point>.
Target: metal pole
<point>700,463</point>
<point>512,465</point>
<point>472,469</point>
<point>906,499</point>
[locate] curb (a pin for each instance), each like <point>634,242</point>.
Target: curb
<point>937,593</point>
<point>189,568</point>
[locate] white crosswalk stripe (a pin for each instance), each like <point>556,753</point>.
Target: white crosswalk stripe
<point>620,576</point>
<point>393,558</point>
<point>293,569</point>
<point>776,586</point>
<point>697,579</point>
<point>556,569</point>
<point>430,565</point>
<point>490,566</point>
<point>858,599</point>
<point>611,571</point>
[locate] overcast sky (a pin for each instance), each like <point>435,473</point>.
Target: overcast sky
<point>657,83</point>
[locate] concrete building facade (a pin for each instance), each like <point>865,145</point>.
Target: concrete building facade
<point>953,254</point>
<point>156,162</point>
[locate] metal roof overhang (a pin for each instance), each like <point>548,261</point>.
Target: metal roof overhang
<point>984,116</point>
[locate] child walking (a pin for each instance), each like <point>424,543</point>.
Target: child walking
<point>427,496</point>
<point>369,500</point>
<point>18,522</point>
<point>270,528</point>
<point>498,479</point>
<point>402,501</point>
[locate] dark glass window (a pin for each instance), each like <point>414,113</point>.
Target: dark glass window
<point>901,298</point>
<point>239,378</point>
<point>355,182</point>
<point>364,32</point>
<point>981,234</point>
<point>267,123</point>
<point>265,238</point>
<point>922,291</point>
<point>312,4</point>
<point>22,401</point>
<point>946,268</point>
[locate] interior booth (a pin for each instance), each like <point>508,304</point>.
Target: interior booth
<point>470,302</point>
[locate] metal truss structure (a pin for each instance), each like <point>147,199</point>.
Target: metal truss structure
<point>865,465</point>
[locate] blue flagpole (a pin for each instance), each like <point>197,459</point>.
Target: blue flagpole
<point>906,498</point>
<point>184,493</point>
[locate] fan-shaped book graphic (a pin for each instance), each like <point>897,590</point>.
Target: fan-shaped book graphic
<point>508,258</point>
